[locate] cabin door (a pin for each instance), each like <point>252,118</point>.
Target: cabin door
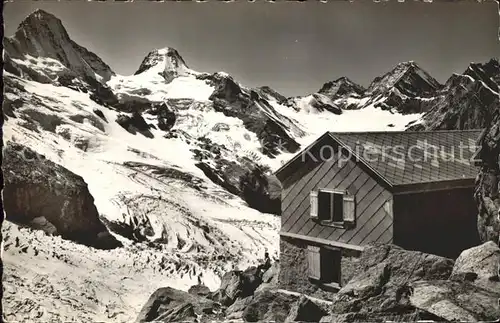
<point>330,265</point>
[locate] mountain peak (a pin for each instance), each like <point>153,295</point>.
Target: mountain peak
<point>408,77</point>
<point>43,22</point>
<point>488,73</point>
<point>165,61</point>
<point>40,14</point>
<point>41,34</point>
<point>340,87</point>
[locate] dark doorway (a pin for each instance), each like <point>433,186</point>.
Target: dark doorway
<point>330,265</point>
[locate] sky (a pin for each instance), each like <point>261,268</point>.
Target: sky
<point>292,47</point>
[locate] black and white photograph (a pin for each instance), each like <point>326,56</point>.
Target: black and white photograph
<point>315,161</point>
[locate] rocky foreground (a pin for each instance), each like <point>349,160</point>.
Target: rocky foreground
<point>391,284</point>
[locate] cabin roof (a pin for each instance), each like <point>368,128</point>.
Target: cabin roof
<point>406,158</point>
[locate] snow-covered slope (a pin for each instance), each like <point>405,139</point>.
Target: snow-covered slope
<point>163,152</point>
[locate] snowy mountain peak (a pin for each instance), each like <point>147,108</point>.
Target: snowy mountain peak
<point>341,87</point>
<point>42,37</point>
<point>167,62</point>
<point>408,78</point>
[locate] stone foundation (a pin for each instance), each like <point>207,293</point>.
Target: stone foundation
<point>294,265</point>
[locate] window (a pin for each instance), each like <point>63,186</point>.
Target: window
<point>324,265</point>
<point>333,207</point>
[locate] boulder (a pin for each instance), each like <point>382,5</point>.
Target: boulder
<point>454,301</point>
<point>270,277</point>
<point>171,305</point>
<point>381,285</point>
<point>44,195</point>
<point>400,285</point>
<point>479,265</point>
<point>200,290</point>
<point>237,284</point>
<point>269,305</point>
<point>305,310</point>
<point>271,274</point>
<point>235,311</point>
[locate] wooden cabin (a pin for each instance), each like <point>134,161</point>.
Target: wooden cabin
<point>348,190</point>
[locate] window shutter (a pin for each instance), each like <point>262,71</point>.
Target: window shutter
<point>314,204</point>
<point>349,209</point>
<point>314,259</point>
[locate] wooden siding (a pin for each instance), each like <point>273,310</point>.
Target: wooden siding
<point>373,221</point>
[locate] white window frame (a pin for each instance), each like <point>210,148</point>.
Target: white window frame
<point>348,208</point>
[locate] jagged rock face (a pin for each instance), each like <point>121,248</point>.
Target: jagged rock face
<point>322,103</point>
<point>134,124</point>
<point>43,35</point>
<point>341,87</point>
<point>407,89</point>
<point>165,116</point>
<point>487,188</point>
<point>267,93</point>
<point>488,72</point>
<point>244,178</point>
<point>167,62</point>
<point>43,195</point>
<point>408,78</point>
<point>230,99</point>
<point>467,101</point>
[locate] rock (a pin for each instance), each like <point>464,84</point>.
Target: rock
<point>270,94</point>
<point>171,62</point>
<point>271,274</point>
<point>305,310</point>
<point>381,285</point>
<point>257,114</point>
<point>100,114</point>
<point>369,283</point>
<point>220,126</point>
<point>134,123</point>
<point>338,318</point>
<point>230,288</point>
<point>255,187</point>
<point>321,102</point>
<point>47,196</point>
<point>479,265</point>
<point>200,290</point>
<point>245,178</point>
<point>166,117</point>
<point>235,311</point>
<point>269,305</point>
<point>340,88</point>
<point>237,284</point>
<point>41,34</point>
<point>467,101</point>
<point>487,188</point>
<point>453,301</point>
<point>171,305</point>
